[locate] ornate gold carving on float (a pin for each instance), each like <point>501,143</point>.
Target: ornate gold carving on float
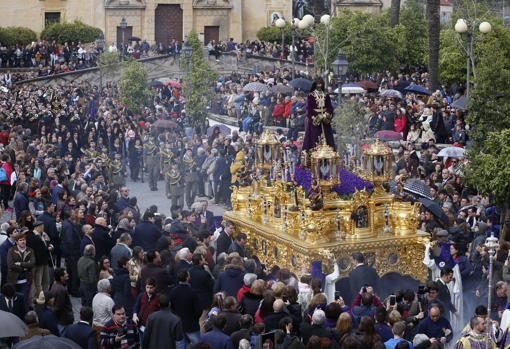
<point>288,229</point>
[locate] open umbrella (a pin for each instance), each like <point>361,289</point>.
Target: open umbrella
<point>352,88</point>
<point>301,84</point>
<point>165,124</point>
<point>418,89</point>
<point>283,89</point>
<point>164,81</point>
<point>368,85</point>
<point>417,187</point>
<point>255,87</point>
<point>225,130</point>
<point>391,94</point>
<point>12,326</point>
<point>460,103</point>
<point>452,152</point>
<point>156,84</point>
<point>435,209</point>
<point>47,342</point>
<point>388,135</point>
<point>173,83</point>
<point>134,38</point>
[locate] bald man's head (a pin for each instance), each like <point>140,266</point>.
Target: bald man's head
<point>100,221</point>
<point>278,306</point>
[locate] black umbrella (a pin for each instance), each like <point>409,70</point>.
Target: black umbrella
<point>301,84</point>
<point>156,84</point>
<point>134,38</point>
<point>435,209</point>
<point>460,103</point>
<point>47,342</point>
<point>417,187</point>
<point>12,326</point>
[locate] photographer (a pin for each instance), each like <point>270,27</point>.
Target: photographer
<point>426,297</point>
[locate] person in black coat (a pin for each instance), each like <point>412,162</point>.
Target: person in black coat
<point>362,275</point>
<point>186,305</point>
<point>201,281</point>
<point>316,328</point>
<point>272,321</point>
<point>50,228</point>
<point>232,315</point>
<point>82,332</point>
<point>102,238</point>
<point>225,239</point>
<point>250,301</point>
<point>444,293</point>
<point>12,302</point>
<point>146,234</point>
<point>71,240</point>
<point>164,328</point>
<point>154,270</point>
<point>121,286</point>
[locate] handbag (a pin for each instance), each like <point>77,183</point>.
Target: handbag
<point>3,174</point>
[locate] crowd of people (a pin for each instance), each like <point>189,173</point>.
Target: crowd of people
<point>73,230</point>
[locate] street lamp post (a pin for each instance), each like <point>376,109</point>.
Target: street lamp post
<point>340,66</point>
<point>123,26</point>
<point>492,245</point>
<point>293,26</point>
<point>280,23</point>
<point>100,49</point>
<point>308,22</point>
<point>464,27</point>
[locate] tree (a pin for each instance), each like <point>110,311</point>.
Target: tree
<point>350,124</point>
<point>366,39</point>
<point>133,89</point>
<point>108,63</point>
<point>412,36</point>
<point>434,30</point>
<point>197,82</point>
<point>69,32</point>
<point>395,13</point>
<point>17,35</point>
<point>452,63</point>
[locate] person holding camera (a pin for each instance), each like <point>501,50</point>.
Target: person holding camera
<point>120,332</point>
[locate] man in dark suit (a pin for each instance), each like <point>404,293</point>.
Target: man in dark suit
<point>201,281</point>
<point>82,332</point>
<point>225,239</point>
<point>164,328</point>
<point>4,249</point>
<point>209,216</point>
<point>186,305</point>
<point>362,275</point>
<point>146,232</point>
<point>102,239</point>
<point>153,270</point>
<point>12,302</point>
<point>444,295</point>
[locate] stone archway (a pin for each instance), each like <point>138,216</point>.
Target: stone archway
<point>168,21</point>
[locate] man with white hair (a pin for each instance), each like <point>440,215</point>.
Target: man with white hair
<point>183,258</point>
<point>102,303</point>
<point>272,321</point>
<point>87,272</point>
<point>315,328</point>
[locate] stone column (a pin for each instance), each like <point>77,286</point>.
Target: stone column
<point>149,29</point>
<point>187,18</point>
<point>236,20</point>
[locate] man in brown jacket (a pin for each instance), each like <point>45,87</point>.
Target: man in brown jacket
<point>20,261</point>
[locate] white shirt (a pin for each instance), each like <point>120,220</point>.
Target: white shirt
<point>102,305</point>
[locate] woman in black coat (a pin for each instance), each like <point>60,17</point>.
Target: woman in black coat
<point>250,301</point>
<point>121,286</point>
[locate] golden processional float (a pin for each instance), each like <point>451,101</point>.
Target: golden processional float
<point>291,228</point>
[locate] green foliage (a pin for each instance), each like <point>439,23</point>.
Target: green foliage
<point>412,35</point>
<point>108,62</point>
<point>488,170</point>
<point>17,35</point>
<point>197,83</point>
<point>367,40</point>
<point>69,32</point>
<point>133,90</point>
<point>452,61</point>
<point>350,124</point>
<point>274,34</point>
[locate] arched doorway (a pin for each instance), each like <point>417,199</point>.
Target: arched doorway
<point>168,21</point>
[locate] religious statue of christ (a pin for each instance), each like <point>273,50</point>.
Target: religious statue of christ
<point>318,118</point>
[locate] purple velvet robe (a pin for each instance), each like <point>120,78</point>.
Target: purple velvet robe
<point>312,132</point>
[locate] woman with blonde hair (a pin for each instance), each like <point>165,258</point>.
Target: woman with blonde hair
<point>343,327</point>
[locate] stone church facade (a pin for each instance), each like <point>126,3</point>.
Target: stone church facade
<point>153,20</point>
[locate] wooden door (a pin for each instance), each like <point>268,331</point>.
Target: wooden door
<point>168,21</point>
<point>128,32</point>
<point>211,33</point>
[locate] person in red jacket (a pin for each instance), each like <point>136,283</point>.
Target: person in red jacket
<point>146,304</point>
<point>400,123</point>
<point>279,113</point>
<point>288,108</point>
<point>5,186</point>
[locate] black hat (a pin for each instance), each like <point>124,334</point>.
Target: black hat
<point>38,223</point>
